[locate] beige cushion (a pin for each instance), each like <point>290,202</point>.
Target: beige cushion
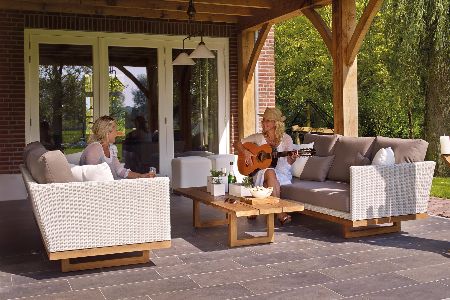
<point>57,168</point>
<point>323,144</point>
<point>328,194</point>
<point>35,165</point>
<point>405,150</point>
<point>346,154</point>
<point>316,168</point>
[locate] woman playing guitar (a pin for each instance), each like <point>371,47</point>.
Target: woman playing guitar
<point>279,173</point>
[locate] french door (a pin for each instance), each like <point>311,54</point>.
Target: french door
<point>72,78</point>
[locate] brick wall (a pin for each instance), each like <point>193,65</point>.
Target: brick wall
<point>266,76</point>
<point>12,84</point>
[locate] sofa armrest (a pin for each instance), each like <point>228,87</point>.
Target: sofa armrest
<point>383,191</point>
<point>81,215</point>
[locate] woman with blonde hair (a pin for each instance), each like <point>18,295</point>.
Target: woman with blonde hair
<point>101,149</point>
<point>279,173</point>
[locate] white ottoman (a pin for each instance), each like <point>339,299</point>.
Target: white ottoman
<point>219,161</point>
<point>190,171</point>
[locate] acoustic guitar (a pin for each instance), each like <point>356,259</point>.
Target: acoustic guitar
<point>264,156</point>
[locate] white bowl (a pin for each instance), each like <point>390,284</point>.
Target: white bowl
<point>261,192</point>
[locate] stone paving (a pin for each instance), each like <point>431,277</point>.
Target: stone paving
<point>309,260</point>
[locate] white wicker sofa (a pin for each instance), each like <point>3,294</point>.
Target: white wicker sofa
<point>97,218</point>
<point>368,195</point>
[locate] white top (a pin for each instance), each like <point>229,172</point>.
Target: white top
<point>283,168</point>
<point>94,155</point>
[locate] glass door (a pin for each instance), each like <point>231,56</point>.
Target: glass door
<point>65,96</point>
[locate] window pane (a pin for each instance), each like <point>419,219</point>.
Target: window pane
<point>133,98</point>
<point>65,96</point>
<point>195,106</point>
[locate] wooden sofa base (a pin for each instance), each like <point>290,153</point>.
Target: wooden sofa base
<point>368,227</point>
<point>67,265</point>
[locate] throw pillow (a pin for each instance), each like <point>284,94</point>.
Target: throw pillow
<point>405,150</point>
<point>30,147</point>
<point>384,157</point>
<point>346,152</point>
<point>298,166</point>
<point>323,144</point>
<point>316,168</point>
<point>35,165</point>
<point>100,172</point>
<point>74,158</point>
<point>57,167</point>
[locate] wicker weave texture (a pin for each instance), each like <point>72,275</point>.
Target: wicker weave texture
<point>81,215</point>
<point>382,191</point>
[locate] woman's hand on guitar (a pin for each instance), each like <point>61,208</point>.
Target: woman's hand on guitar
<point>248,157</point>
<point>293,157</point>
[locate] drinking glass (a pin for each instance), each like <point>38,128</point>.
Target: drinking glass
<point>152,170</point>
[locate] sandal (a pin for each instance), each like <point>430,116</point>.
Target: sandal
<point>286,219</point>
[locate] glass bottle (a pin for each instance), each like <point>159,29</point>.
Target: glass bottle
<point>231,177</point>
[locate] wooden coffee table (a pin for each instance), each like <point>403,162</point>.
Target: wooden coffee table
<point>236,210</point>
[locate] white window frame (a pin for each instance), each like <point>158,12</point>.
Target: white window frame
<point>100,42</point>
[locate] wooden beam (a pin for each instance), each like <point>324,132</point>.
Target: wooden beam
<point>345,89</point>
<point>323,29</point>
<point>237,3</point>
<point>282,11</point>
<point>362,28</point>
<point>262,36</point>
<point>246,90</point>
<point>114,11</point>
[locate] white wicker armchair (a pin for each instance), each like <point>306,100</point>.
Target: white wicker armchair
<point>79,219</point>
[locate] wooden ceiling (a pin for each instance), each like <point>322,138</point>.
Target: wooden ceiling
<point>247,14</point>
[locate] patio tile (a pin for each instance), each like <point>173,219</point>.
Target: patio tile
<point>47,276</point>
<point>309,264</point>
<point>286,282</point>
<point>148,288</point>
<point>360,270</point>
<point>429,291</point>
<point>198,268</point>
<point>420,260</point>
<point>272,258</point>
<point>93,294</point>
<point>282,246</point>
<point>5,280</point>
<point>237,275</point>
<point>312,292</point>
<point>166,261</point>
<point>338,249</point>
<point>378,254</point>
<point>113,278</point>
<point>34,289</point>
<point>368,284</point>
<point>428,273</point>
<point>216,292</point>
<point>214,255</point>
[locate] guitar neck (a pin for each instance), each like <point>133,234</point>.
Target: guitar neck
<point>301,152</point>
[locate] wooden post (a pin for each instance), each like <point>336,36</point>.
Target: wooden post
<point>345,90</point>
<point>246,90</point>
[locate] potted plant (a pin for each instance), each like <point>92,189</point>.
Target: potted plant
<point>217,187</point>
<point>241,189</point>
<point>217,174</point>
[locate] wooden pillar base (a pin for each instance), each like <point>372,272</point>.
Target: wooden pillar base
<point>353,232</point>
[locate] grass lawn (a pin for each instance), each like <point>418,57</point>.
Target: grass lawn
<point>441,187</point>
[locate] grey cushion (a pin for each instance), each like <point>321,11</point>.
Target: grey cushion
<point>316,168</point>
<point>35,165</point>
<point>328,194</point>
<point>29,147</point>
<point>323,144</point>
<point>57,168</point>
<point>346,153</point>
<point>405,150</point>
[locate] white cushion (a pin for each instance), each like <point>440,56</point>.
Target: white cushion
<point>100,172</point>
<point>298,166</point>
<point>384,157</point>
<point>303,146</point>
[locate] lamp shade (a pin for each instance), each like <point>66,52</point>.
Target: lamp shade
<point>201,52</point>
<point>183,59</point>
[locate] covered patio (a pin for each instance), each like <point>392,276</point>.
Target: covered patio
<point>309,260</point>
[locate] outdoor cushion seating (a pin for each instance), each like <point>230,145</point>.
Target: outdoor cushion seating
<point>357,195</point>
<point>190,171</point>
<point>93,218</point>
